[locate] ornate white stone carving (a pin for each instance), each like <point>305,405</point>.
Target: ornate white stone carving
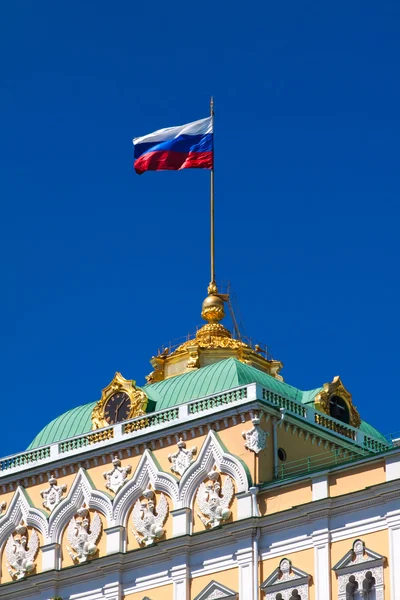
<point>20,558</point>
<point>148,520</point>
<point>359,577</point>
<point>295,593</point>
<point>147,472</point>
<point>213,502</point>
<point>216,594</point>
<point>182,459</point>
<point>82,492</point>
<point>288,581</point>
<point>116,478</point>
<point>53,494</point>
<point>256,438</point>
<point>83,535</point>
<point>215,590</point>
<point>360,571</point>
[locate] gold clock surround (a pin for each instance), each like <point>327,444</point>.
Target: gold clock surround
<point>137,398</point>
<point>336,388</point>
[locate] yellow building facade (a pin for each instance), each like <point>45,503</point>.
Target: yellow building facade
<point>214,480</point>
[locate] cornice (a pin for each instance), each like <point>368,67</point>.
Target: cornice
<point>190,545</point>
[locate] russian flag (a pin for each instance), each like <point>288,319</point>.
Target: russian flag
<point>173,148</point>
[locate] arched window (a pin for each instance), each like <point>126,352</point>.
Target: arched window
<point>339,409</point>
<point>351,588</point>
<point>284,578</point>
<point>360,574</point>
<point>368,586</point>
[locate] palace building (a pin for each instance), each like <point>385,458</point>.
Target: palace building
<point>214,480</point>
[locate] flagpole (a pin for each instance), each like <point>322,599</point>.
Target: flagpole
<point>212,286</point>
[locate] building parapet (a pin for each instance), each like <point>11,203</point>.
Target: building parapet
<point>189,412</point>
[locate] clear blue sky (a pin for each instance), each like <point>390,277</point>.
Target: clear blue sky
<point>100,266</point>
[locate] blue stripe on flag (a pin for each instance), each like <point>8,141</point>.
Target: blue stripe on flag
<point>182,143</point>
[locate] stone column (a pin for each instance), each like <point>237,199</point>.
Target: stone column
<point>50,557</point>
<point>180,576</point>
<point>181,518</point>
<point>115,539</point>
<point>393,521</point>
<point>244,558</point>
<point>322,563</point>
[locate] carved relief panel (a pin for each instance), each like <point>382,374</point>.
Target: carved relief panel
<point>83,534</point>
<point>360,574</point>
<point>148,517</point>
<point>21,551</point>
<point>213,500</point>
<point>286,583</point>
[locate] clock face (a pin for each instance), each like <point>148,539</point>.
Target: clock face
<point>117,408</point>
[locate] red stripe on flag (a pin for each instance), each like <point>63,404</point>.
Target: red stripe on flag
<point>173,161</point>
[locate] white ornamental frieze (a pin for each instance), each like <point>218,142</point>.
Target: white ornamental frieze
<point>117,477</point>
<point>256,438</point>
<point>19,555</point>
<point>181,459</point>
<point>213,502</point>
<point>53,494</point>
<point>148,519</point>
<point>83,535</point>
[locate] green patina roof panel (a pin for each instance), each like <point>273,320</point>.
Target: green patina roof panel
<point>371,431</point>
<point>213,379</point>
<point>74,422</point>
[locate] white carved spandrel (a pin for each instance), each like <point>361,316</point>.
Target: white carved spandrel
<point>52,495</point>
<point>256,438</point>
<point>181,459</point>
<point>117,477</point>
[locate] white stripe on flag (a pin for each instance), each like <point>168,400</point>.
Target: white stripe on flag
<point>201,127</point>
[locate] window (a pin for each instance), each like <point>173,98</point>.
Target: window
<point>282,454</point>
<point>339,409</point>
<point>286,583</point>
<point>360,574</point>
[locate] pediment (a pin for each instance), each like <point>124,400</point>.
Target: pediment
<point>358,555</point>
<point>283,576</point>
<point>336,388</point>
<point>216,591</point>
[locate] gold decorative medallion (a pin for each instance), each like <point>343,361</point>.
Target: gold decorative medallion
<point>120,401</point>
<point>336,389</point>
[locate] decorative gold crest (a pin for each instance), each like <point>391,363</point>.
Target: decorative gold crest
<point>336,388</point>
<point>132,402</point>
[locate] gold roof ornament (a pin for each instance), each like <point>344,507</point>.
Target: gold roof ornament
<point>212,343</point>
<point>120,400</point>
<point>335,390</point>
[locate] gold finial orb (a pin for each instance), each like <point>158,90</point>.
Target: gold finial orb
<point>212,309</point>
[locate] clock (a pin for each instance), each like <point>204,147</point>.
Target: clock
<point>117,408</point>
<point>120,401</point>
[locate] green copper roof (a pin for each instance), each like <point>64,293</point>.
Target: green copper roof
<point>371,431</point>
<point>215,378</point>
<point>74,422</point>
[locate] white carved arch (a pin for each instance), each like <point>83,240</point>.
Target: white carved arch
<point>20,508</point>
<point>82,491</point>
<point>212,453</point>
<point>147,471</point>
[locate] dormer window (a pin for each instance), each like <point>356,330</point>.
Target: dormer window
<point>339,409</point>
